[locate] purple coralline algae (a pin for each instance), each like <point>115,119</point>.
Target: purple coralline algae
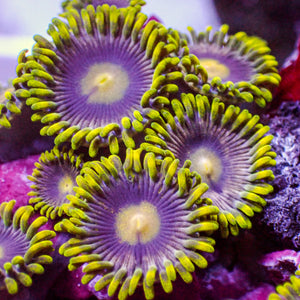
<point>282,213</point>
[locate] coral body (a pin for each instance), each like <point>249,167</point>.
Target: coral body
<point>114,58</point>
<point>137,222</point>
<point>43,284</point>
<point>236,67</point>
<point>54,179</point>
<point>229,149</point>
<point>24,248</point>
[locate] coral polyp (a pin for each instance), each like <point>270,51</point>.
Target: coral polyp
<point>79,4</point>
<point>236,67</point>
<point>54,179</point>
<point>89,81</point>
<point>228,148</point>
<point>24,248</point>
<point>12,95</point>
<point>137,223</point>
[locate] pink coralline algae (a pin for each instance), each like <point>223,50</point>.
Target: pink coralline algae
<point>68,285</point>
<point>280,265</point>
<point>14,183</point>
<point>260,293</point>
<point>221,283</point>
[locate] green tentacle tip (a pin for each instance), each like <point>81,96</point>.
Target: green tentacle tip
<point>144,183</point>
<point>69,5</point>
<point>11,285</point>
<point>24,247</point>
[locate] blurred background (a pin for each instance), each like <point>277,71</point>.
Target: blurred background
<point>278,22</point>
